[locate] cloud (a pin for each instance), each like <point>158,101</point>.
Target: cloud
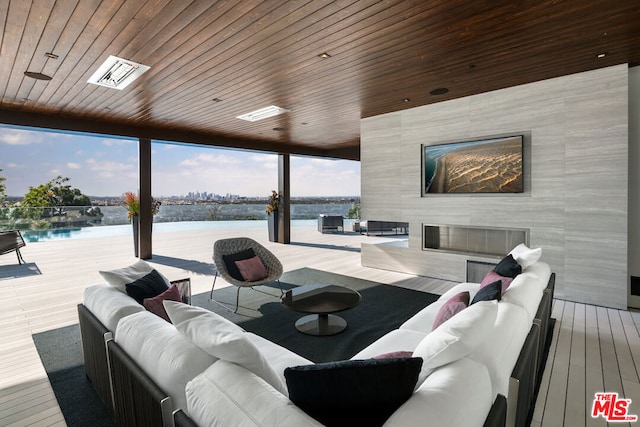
<point>117,142</point>
<point>210,159</point>
<point>110,166</point>
<point>19,137</point>
<point>72,165</point>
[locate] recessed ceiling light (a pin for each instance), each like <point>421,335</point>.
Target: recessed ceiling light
<point>439,91</point>
<point>602,55</point>
<point>263,113</point>
<point>117,73</point>
<point>279,129</point>
<point>51,55</point>
<point>406,100</point>
<point>37,76</point>
<point>324,55</point>
<point>216,100</point>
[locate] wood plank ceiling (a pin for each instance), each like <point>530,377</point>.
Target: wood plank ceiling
<point>214,60</point>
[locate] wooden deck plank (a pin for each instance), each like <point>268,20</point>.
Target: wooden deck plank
<point>594,382</point>
<point>610,367</point>
<point>626,363</point>
<point>555,407</point>
<point>575,411</point>
<point>540,413</point>
<point>556,313</point>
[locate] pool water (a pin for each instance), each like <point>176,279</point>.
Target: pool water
<point>160,227</point>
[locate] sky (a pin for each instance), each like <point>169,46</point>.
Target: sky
<point>108,166</point>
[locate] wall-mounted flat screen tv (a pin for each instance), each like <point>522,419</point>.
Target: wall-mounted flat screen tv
<point>490,165</point>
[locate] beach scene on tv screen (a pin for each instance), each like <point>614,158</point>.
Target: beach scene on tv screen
<point>483,166</point>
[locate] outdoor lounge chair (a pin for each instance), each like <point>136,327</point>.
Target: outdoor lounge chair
<point>11,241</point>
<point>226,247</point>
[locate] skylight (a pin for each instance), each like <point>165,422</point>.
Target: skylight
<point>263,113</point>
<point>117,73</point>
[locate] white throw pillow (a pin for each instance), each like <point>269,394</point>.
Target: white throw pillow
<point>120,277</point>
<point>526,256</point>
<point>223,339</point>
<point>457,337</point>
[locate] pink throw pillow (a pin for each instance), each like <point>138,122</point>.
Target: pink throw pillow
<point>155,306</point>
<point>394,354</point>
<point>492,276</point>
<point>252,269</point>
<point>453,306</point>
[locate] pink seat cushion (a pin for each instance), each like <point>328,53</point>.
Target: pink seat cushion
<point>252,269</point>
<point>453,306</point>
<point>155,305</point>
<point>492,276</point>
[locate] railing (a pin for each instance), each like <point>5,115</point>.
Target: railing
<point>27,218</point>
<point>63,217</point>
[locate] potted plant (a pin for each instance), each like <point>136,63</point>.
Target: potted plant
<point>272,215</point>
<point>131,202</point>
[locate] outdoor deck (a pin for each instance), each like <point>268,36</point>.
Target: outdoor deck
<point>593,349</point>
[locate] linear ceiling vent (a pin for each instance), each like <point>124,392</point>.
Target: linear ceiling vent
<point>117,73</point>
<point>263,113</point>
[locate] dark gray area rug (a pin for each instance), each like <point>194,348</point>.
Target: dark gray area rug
<point>61,353</point>
<point>383,309</point>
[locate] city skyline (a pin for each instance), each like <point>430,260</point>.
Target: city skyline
<point>105,166</point>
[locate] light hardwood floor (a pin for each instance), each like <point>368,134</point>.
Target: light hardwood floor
<point>593,348</point>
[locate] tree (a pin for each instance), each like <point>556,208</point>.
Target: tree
<point>3,188</point>
<point>53,194</point>
<point>354,212</point>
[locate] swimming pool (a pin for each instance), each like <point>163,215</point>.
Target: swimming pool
<point>160,227</point>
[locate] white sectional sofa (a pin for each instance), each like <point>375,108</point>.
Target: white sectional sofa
<point>157,373</point>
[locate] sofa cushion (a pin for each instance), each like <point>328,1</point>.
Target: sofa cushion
<point>109,304</point>
<point>252,269</point>
<point>396,340</point>
<point>155,306</point>
<point>222,339</point>
<point>230,262</point>
<point>119,278</point>
<point>457,394</point>
<point>500,349</point>
<point>490,292</point>
<point>525,291</point>
<point>279,358</point>
<point>229,395</point>
<point>353,392</point>
<point>526,256</point>
<point>423,320</point>
<point>453,306</point>
<point>163,353</point>
<point>147,286</point>
<point>542,271</point>
<point>492,276</point>
<point>457,337</point>
<point>508,267</point>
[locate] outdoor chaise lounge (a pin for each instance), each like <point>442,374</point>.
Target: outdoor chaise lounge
<point>11,241</point>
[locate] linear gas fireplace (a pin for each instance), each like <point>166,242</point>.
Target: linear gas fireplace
<point>472,240</point>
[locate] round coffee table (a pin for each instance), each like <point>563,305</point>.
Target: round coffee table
<point>321,301</point>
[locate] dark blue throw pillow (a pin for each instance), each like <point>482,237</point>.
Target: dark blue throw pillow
<point>353,392</point>
<point>508,267</point>
<point>147,286</point>
<point>230,262</point>
<point>489,292</point>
